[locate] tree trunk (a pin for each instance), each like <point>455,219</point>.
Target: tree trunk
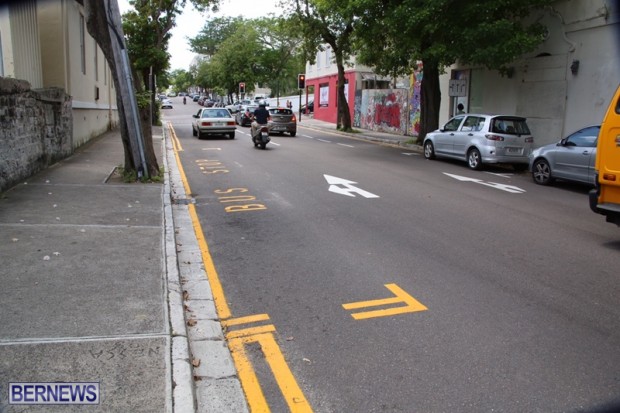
<point>344,115</point>
<point>98,28</point>
<point>430,99</point>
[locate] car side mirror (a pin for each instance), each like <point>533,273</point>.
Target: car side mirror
<point>196,116</point>
<point>563,142</point>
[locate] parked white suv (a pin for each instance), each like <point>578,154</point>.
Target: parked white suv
<point>479,139</point>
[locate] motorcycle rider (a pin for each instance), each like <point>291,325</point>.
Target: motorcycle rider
<point>261,117</point>
<point>184,100</point>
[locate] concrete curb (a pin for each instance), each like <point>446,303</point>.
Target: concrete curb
<point>202,360</point>
<point>388,141</point>
<point>182,385</point>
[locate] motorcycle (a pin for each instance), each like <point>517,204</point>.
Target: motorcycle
<point>261,137</point>
<point>184,100</point>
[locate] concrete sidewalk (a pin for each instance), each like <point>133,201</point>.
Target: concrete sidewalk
<point>92,289</point>
<point>364,134</point>
<point>98,279</point>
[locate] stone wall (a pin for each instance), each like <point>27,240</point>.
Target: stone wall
<point>35,130</point>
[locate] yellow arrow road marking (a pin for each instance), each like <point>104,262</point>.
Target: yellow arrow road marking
<point>412,305</point>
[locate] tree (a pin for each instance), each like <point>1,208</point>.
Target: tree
<point>279,61</point>
<point>109,36</point>
<point>213,34</point>
<point>331,22</point>
<point>181,80</point>
<point>394,35</point>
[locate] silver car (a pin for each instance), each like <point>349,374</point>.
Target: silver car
<point>213,121</point>
<point>282,120</point>
<point>571,159</point>
<point>479,139</point>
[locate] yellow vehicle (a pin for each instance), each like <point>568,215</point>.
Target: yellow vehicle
<point>605,198</point>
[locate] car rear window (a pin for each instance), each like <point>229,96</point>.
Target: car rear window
<point>216,113</point>
<point>510,126</point>
<point>279,111</point>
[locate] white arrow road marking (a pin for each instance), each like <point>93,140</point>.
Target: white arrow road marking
<point>308,136</point>
<point>348,189</point>
<point>498,174</point>
<point>326,141</point>
<point>508,188</point>
<point>273,143</point>
<point>410,153</point>
<point>348,146</point>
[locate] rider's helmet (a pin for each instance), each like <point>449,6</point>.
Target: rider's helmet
<point>262,103</point>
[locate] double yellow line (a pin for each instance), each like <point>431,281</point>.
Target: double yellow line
<point>238,339</point>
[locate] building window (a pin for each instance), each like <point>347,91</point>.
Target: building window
<point>96,60</point>
<point>82,45</point>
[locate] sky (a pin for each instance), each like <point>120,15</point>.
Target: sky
<point>190,22</point>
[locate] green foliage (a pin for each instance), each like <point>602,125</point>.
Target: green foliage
<point>181,80</point>
<point>490,33</point>
<point>256,51</point>
<point>144,99</point>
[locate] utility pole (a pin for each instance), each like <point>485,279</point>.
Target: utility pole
<point>126,90</point>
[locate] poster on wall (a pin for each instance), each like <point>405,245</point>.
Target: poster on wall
<point>346,91</point>
<point>324,96</point>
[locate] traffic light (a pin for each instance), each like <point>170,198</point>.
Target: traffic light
<point>241,88</point>
<point>301,81</point>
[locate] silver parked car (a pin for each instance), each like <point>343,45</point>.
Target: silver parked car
<point>479,139</point>
<point>213,121</point>
<point>571,159</point>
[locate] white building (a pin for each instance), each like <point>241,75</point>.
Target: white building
<point>564,85</point>
<point>46,43</point>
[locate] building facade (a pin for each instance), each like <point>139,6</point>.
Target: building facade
<point>45,42</point>
<point>562,86</point>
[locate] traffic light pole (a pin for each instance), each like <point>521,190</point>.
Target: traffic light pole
<point>300,105</point>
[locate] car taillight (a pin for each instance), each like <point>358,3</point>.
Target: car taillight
<point>206,123</point>
<point>230,123</point>
<point>494,137</point>
<point>609,177</point>
<point>529,140</point>
<point>294,119</point>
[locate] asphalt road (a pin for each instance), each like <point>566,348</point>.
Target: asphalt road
<point>504,294</point>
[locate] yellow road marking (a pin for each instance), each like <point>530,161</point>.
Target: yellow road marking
<point>291,392</point>
<point>250,331</point>
<point>214,280</point>
<point>239,338</point>
<point>245,320</point>
<point>176,143</point>
<point>412,305</point>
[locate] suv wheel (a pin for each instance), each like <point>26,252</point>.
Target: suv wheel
<point>474,159</point>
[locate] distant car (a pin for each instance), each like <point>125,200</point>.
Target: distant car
<point>166,104</point>
<point>571,159</point>
<point>244,115</point>
<point>479,139</point>
<point>282,120</point>
<point>195,98</point>
<point>213,121</point>
<point>310,107</point>
<point>172,94</point>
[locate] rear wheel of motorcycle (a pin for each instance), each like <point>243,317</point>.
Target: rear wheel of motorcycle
<point>231,135</point>
<point>263,145</point>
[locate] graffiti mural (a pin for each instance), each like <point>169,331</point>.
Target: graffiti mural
<point>384,110</point>
<point>415,103</point>
<point>357,109</point>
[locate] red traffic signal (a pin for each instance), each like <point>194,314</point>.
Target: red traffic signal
<point>242,87</point>
<point>301,81</point>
